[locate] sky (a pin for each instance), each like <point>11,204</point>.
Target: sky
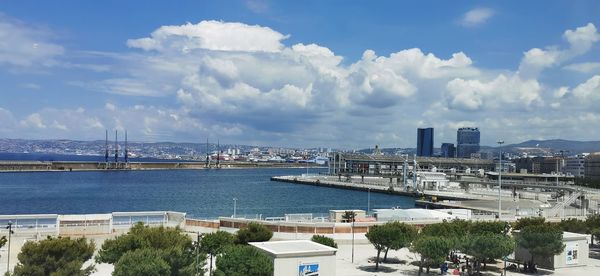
<point>340,74</point>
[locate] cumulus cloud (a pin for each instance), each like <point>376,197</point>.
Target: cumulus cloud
<point>26,46</point>
<point>476,17</point>
<point>503,91</point>
<point>580,42</point>
<point>211,35</point>
<point>243,83</point>
<point>589,91</point>
<point>584,67</point>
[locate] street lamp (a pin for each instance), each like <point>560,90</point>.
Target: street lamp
<point>500,142</point>
<point>368,200</point>
<point>234,206</point>
<point>198,239</point>
<point>10,232</point>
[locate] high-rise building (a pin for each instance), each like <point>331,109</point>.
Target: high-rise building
<point>467,141</point>
<point>425,141</point>
<point>448,150</point>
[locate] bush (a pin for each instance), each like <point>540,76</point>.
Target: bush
<point>242,260</point>
<point>324,240</point>
<point>147,262</point>
<point>174,247</point>
<point>55,256</point>
<point>254,232</point>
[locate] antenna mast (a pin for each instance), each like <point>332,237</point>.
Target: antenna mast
<point>106,148</point>
<point>126,150</point>
<point>116,149</point>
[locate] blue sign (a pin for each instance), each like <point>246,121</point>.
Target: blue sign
<point>308,270</point>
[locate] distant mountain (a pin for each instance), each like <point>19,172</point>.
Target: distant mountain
<point>536,147</point>
<point>556,145</point>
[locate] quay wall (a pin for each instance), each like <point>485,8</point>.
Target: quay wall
<point>90,166</point>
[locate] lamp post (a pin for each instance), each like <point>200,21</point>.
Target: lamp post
<point>352,228</point>
<point>500,142</point>
<point>368,200</point>
<point>234,206</point>
<point>10,232</point>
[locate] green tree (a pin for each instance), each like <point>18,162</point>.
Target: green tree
<point>433,251</point>
<point>324,240</point>
<point>175,247</point>
<point>253,232</point>
<point>541,240</point>
<point>3,241</point>
<point>145,261</point>
<point>482,227</point>
<point>381,238</point>
<point>593,224</point>
<point>487,246</point>
<point>242,260</point>
<point>55,256</point>
<point>348,216</point>
<point>523,222</point>
<point>401,234</point>
<point>213,244</point>
<point>573,225</point>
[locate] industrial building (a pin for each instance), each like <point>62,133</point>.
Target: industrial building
<point>353,163</point>
<point>539,165</point>
<point>467,141</point>
<point>425,141</point>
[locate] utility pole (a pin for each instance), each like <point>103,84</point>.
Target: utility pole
<point>500,142</point>
<point>10,232</point>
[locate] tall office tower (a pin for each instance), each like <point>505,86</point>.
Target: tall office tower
<point>467,141</point>
<point>425,141</point>
<point>448,150</point>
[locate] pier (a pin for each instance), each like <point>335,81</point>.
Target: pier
<point>30,166</point>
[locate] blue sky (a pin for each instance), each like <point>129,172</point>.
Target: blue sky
<point>306,73</point>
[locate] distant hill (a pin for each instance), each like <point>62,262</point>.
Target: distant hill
<point>556,145</point>
<point>541,147</point>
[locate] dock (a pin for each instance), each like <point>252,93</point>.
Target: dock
<point>377,188</point>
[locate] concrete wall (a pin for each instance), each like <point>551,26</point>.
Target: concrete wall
<point>290,266</point>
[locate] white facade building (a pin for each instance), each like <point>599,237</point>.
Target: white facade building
<point>575,165</point>
<point>299,257</point>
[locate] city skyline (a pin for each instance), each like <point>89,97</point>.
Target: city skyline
<point>300,75</point>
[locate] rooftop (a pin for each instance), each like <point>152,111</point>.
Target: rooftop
<point>294,248</point>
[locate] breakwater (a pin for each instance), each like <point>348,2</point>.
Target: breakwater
<point>16,166</point>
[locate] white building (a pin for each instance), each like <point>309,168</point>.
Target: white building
<point>299,257</point>
<point>432,181</point>
<point>575,165</point>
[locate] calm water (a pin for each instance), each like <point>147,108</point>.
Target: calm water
<point>200,193</point>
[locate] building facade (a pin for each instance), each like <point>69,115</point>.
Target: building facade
<point>539,165</point>
<point>575,165</point>
<point>592,166</point>
<point>425,141</point>
<point>448,150</point>
<point>467,141</point>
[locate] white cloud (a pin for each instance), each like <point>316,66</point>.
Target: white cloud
<point>25,46</point>
<point>34,120</point>
<point>211,35</point>
<point>584,67</point>
<point>502,92</point>
<point>215,82</point>
<point>589,91</point>
<point>580,42</point>
<point>476,17</point>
